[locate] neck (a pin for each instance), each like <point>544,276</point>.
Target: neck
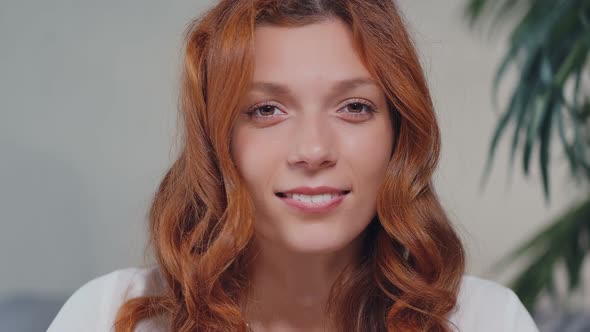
<point>290,290</point>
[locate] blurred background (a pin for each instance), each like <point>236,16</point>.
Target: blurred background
<point>88,127</point>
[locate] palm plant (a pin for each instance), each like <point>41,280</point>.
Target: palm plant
<point>548,48</point>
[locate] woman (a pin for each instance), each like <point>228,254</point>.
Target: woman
<point>302,197</point>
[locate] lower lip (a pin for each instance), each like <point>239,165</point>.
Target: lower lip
<point>314,207</point>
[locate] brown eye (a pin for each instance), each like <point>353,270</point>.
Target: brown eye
<point>356,107</point>
<point>266,110</point>
<point>359,109</point>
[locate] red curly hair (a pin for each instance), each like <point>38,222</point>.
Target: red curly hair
<point>201,223</point>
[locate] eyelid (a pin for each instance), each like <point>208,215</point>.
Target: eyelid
<point>361,101</point>
<point>263,103</point>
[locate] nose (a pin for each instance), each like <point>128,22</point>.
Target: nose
<point>312,145</point>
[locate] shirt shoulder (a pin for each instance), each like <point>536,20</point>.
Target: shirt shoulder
<point>487,306</point>
<point>93,306</point>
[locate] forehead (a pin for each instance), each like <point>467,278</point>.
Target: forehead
<point>321,51</point>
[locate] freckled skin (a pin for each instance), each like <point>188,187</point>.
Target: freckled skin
<point>310,137</point>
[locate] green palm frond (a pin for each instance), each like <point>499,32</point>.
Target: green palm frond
<point>563,241</point>
<point>549,49</point>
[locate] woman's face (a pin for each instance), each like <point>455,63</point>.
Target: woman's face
<point>311,125</point>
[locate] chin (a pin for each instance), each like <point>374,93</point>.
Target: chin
<point>318,238</point>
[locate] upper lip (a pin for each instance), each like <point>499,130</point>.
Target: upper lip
<point>315,190</point>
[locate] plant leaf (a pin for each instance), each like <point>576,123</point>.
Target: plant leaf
<point>541,108</point>
<point>544,145</point>
<point>502,123</point>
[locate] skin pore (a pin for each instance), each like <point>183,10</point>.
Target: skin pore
<point>308,121</point>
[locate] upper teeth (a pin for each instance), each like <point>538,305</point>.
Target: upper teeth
<point>312,198</point>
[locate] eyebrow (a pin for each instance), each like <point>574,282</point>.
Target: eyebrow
<point>338,87</point>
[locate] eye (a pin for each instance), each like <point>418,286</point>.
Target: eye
<point>356,108</point>
<point>264,111</point>
<point>359,108</point>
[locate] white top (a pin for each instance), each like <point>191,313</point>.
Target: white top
<point>483,305</point>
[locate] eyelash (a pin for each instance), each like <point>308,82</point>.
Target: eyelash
<point>370,108</point>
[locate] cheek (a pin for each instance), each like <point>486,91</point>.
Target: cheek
<point>244,154</point>
<point>368,151</point>
<point>256,156</point>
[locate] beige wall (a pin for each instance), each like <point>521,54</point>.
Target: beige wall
<point>87,118</point>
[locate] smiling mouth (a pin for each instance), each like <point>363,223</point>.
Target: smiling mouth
<point>317,203</point>
<point>344,192</point>
<point>327,195</point>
